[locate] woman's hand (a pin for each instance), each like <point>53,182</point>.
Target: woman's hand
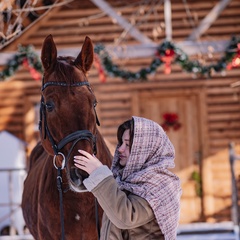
<point>87,162</point>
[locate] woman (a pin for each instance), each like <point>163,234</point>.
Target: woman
<point>140,197</point>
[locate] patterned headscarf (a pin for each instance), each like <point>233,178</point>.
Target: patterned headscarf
<point>146,174</point>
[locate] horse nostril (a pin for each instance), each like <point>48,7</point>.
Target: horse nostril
<point>76,177</point>
<point>78,174</point>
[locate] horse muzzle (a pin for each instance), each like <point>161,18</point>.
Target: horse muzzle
<point>77,177</point>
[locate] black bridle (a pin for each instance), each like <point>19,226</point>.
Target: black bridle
<point>74,137</point>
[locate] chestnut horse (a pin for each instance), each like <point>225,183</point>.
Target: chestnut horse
<point>67,123</point>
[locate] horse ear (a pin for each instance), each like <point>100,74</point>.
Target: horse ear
<point>49,53</point>
<point>84,59</point>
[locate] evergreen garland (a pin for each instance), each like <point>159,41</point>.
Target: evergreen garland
<point>24,54</point>
<point>167,53</point>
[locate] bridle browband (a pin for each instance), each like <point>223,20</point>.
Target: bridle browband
<point>63,84</point>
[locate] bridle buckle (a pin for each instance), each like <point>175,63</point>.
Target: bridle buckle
<point>63,160</point>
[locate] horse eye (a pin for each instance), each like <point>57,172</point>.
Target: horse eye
<point>49,106</point>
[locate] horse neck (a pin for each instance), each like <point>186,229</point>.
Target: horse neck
<point>103,152</point>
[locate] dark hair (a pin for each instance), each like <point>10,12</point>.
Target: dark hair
<point>129,124</point>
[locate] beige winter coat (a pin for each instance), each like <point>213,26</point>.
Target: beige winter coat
<point>126,217</point>
<point>154,192</point>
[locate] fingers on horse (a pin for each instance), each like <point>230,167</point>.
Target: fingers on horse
<point>86,154</point>
<point>80,158</point>
<point>79,164</point>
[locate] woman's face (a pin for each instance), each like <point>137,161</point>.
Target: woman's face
<point>124,150</point>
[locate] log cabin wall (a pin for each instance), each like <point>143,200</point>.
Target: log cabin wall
<point>208,108</point>
<point>18,97</point>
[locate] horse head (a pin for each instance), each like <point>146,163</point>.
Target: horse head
<point>67,113</point>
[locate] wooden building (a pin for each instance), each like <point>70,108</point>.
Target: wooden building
<point>208,108</point>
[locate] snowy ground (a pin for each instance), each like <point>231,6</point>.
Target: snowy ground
<point>194,231</point>
<point>25,237</point>
<point>208,231</point>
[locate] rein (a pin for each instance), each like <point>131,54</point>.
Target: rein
<point>73,137</point>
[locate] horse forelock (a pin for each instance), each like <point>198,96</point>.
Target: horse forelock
<point>66,71</point>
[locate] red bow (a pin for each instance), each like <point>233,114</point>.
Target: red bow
<point>167,59</point>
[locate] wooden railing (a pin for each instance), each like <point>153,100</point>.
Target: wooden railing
<point>13,206</point>
<point>235,198</point>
